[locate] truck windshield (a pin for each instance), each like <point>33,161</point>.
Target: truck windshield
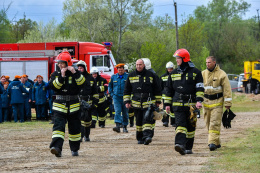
<point>97,60</point>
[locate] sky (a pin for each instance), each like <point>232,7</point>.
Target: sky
<point>45,10</point>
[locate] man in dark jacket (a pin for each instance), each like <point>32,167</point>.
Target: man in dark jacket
<point>184,91</point>
<point>66,83</point>
<point>27,98</point>
<point>5,103</point>
<point>39,97</point>
<point>89,94</point>
<point>146,90</point>
<point>15,91</point>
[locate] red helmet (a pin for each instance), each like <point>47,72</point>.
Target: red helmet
<point>64,57</point>
<point>183,53</point>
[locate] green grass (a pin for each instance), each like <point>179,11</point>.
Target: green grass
<point>239,155</point>
<point>242,103</point>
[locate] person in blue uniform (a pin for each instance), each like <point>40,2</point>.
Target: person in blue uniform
<point>116,90</point>
<point>15,91</point>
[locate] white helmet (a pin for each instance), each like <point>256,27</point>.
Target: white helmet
<point>170,65</point>
<point>126,67</point>
<point>82,63</point>
<point>94,70</point>
<point>147,63</point>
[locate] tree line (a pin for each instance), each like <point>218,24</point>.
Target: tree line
<point>216,29</point>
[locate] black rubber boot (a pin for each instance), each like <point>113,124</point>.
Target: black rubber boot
<point>87,133</point>
<point>180,148</point>
<point>117,128</point>
<point>125,129</point>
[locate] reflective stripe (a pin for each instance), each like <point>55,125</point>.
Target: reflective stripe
<point>102,118</point>
<point>58,134</point>
<point>94,117</point>
<point>96,96</point>
<point>60,107</point>
<point>126,98</point>
<point>131,114</point>
<point>86,124</point>
<point>211,87</point>
<point>76,137</point>
<point>181,129</point>
<point>91,83</point>
<point>190,134</point>
<point>74,109</point>
<point>227,99</point>
<point>134,79</point>
<point>172,115</point>
<point>101,100</point>
<point>199,94</point>
<point>102,88</point>
<point>147,127</point>
<point>181,104</point>
<point>199,85</point>
<point>57,84</point>
<point>165,78</point>
<point>80,80</point>
<point>213,105</point>
<point>214,131</point>
<point>139,128</point>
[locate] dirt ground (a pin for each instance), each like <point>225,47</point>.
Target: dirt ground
<point>28,150</point>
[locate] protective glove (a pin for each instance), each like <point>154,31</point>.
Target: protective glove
<point>230,117</point>
<point>85,105</point>
<point>225,119</point>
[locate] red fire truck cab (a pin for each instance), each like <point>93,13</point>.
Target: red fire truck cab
<point>39,58</point>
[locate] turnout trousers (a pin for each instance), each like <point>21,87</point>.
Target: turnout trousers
<point>86,121</point>
<point>213,118</point>
<point>74,125</point>
<point>144,128</point>
<point>185,131</point>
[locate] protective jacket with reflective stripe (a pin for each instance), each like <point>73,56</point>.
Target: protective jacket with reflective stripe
<point>164,80</point>
<point>142,85</point>
<point>89,89</point>
<point>71,84</point>
<point>217,82</point>
<point>189,83</point>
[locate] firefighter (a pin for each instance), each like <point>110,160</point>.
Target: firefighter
<point>66,83</point>
<point>217,93</point>
<point>89,94</point>
<point>184,89</point>
<point>164,78</point>
<point>39,97</point>
<point>116,90</point>
<point>15,91</point>
<point>146,90</point>
<point>27,98</point>
<point>100,113</point>
<point>130,110</point>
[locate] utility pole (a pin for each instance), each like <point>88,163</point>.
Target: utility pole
<point>176,26</point>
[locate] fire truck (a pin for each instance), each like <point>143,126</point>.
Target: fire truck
<point>251,81</point>
<point>39,58</point>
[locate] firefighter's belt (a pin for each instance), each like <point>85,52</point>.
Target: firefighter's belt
<point>186,97</point>
<point>66,97</point>
<point>143,95</point>
<point>214,96</point>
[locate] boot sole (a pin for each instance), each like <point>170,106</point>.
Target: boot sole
<point>180,150</point>
<point>147,142</point>
<point>55,152</point>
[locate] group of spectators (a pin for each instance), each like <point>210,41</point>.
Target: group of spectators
<point>22,94</point>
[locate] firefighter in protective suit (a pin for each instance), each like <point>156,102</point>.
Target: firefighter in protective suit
<point>146,90</point>
<point>66,83</point>
<point>217,93</point>
<point>184,89</point>
<point>101,112</point>
<point>89,94</point>
<point>164,79</point>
